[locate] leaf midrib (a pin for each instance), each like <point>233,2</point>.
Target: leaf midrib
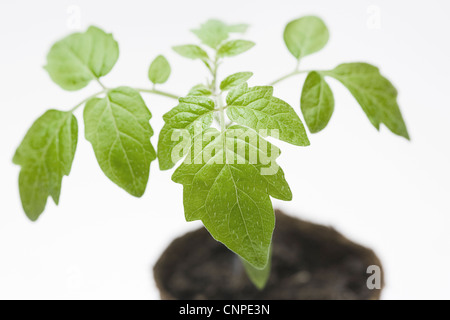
<point>82,63</point>
<point>118,132</point>
<point>240,209</point>
<point>53,137</point>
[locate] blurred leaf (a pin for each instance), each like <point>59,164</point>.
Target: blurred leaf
<point>305,36</point>
<point>191,51</point>
<point>259,277</point>
<point>46,155</point>
<point>80,58</point>
<point>200,90</point>
<point>233,199</point>
<point>234,47</point>
<point>159,71</point>
<point>238,28</point>
<point>235,80</point>
<point>212,33</point>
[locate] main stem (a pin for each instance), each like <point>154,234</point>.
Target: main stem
<point>217,94</point>
<point>222,112</point>
<point>258,277</point>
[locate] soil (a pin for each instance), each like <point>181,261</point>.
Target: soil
<point>309,262</point>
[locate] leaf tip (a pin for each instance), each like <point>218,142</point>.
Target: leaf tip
<point>56,199</point>
<point>289,196</point>
<point>137,193</point>
<point>32,214</point>
<point>15,158</point>
<point>302,141</point>
<point>32,219</point>
<point>406,135</point>
<point>164,166</point>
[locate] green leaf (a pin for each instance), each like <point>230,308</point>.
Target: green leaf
<point>376,95</point>
<point>200,90</point>
<point>233,199</point>
<point>189,112</point>
<point>234,47</point>
<point>159,71</point>
<point>191,51</point>
<point>257,108</point>
<point>238,28</point>
<point>235,80</point>
<point>46,155</point>
<point>80,58</point>
<point>119,130</point>
<point>317,102</point>
<point>212,33</point>
<point>305,36</point>
<point>259,277</point>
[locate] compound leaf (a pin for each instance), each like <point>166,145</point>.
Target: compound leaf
<point>226,187</point>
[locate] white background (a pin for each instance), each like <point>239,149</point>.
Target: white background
<point>378,189</point>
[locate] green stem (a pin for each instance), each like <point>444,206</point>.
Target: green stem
<point>101,84</point>
<point>214,76</point>
<point>159,92</point>
<point>154,91</point>
<point>297,66</point>
<point>287,76</point>
<point>87,99</point>
<point>217,94</point>
<point>222,112</point>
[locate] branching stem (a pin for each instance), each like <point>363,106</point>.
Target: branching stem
<point>287,76</point>
<point>105,90</point>
<point>159,92</point>
<point>87,99</point>
<point>217,94</point>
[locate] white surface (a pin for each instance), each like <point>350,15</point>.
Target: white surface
<point>376,188</point>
